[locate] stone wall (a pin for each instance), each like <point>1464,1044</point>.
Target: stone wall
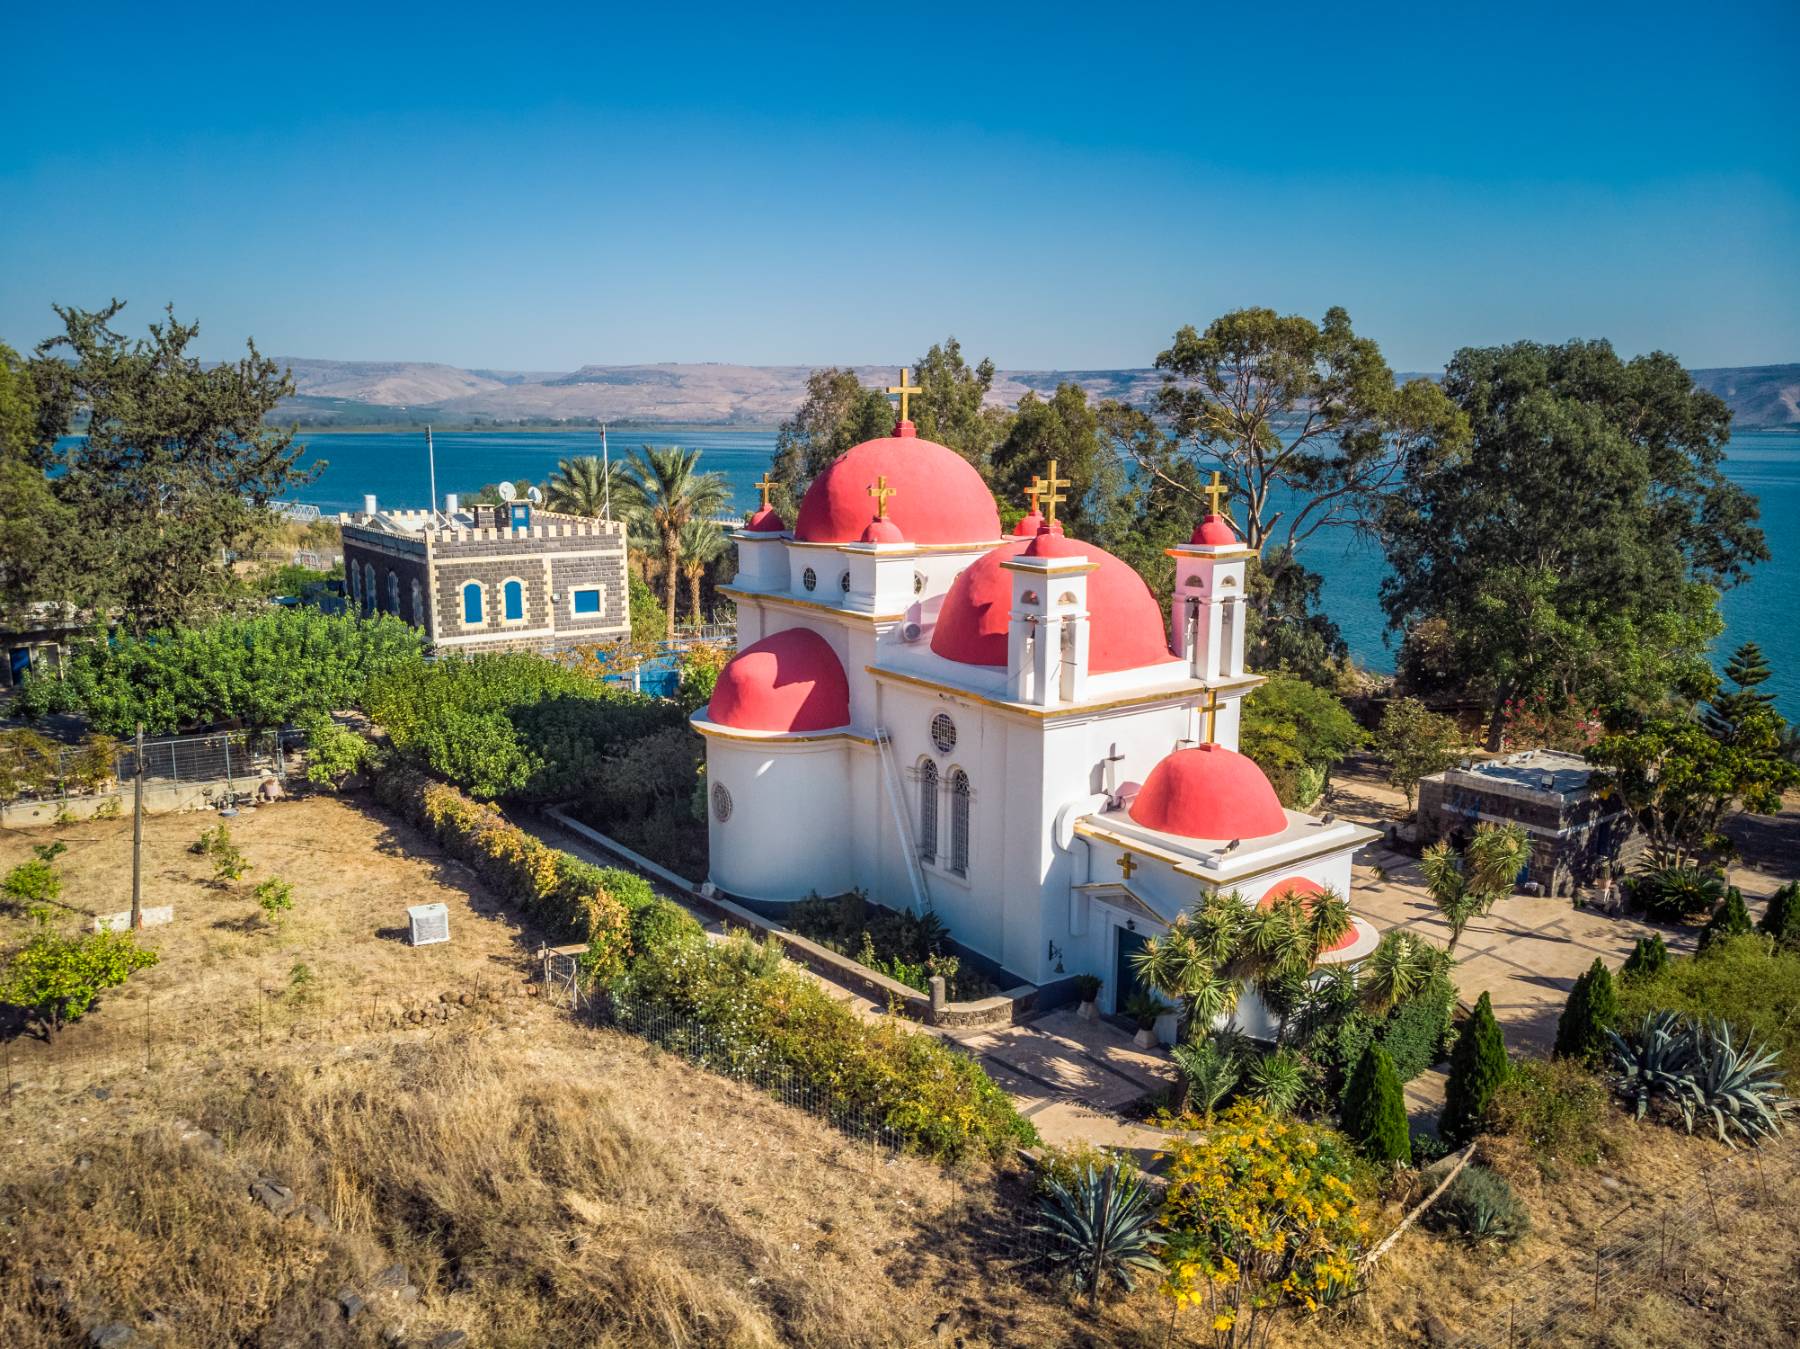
<point>548,572</point>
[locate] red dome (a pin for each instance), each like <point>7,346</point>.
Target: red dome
<point>1029,525</point>
<point>882,530</point>
<point>790,681</point>
<point>1125,622</point>
<point>1209,792</point>
<point>938,497</point>
<point>1215,531</point>
<point>1305,891</point>
<point>766,521</point>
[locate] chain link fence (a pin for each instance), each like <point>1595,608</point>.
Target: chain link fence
<point>40,770</point>
<point>1639,1247</point>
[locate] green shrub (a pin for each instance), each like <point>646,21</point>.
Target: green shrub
<point>275,897</point>
<point>1374,1109</point>
<point>1592,1010</point>
<point>35,882</point>
<point>1064,1163</point>
<point>1676,894</point>
<point>1781,920</point>
<point>1480,1205</point>
<point>904,946</point>
<point>54,978</point>
<point>1478,1066</point>
<point>217,845</point>
<point>1276,1081</point>
<point>1730,919</point>
<point>1749,982</point>
<point>332,752</point>
<point>661,924</point>
<point>1649,958</point>
<point>1558,1108</point>
<point>1412,1033</point>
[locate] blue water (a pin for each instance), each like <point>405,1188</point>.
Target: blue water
<point>393,467</point>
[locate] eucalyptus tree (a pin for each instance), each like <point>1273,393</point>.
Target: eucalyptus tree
<point>672,491</point>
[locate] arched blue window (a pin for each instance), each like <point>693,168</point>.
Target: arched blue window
<point>959,822</point>
<point>928,810</point>
<point>371,599</point>
<point>512,596</point>
<point>471,601</point>
<point>393,593</point>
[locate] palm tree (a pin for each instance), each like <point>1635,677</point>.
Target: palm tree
<point>1398,968</point>
<point>1466,886</point>
<point>671,491</point>
<point>579,487</point>
<point>701,542</point>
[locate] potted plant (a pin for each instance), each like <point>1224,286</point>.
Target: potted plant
<point>1145,1010</point>
<point>1087,988</point>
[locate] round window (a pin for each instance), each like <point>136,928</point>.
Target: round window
<point>918,583</point>
<point>721,802</point>
<point>844,583</point>
<point>943,733</point>
<point>810,579</point>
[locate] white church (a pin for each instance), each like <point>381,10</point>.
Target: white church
<point>995,727</point>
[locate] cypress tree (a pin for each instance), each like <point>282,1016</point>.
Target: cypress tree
<point>1781,920</point>
<point>1478,1065</point>
<point>1374,1109</point>
<point>1593,1008</point>
<point>1730,919</point>
<point>1649,958</point>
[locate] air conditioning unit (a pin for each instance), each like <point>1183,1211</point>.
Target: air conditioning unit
<point>911,631</point>
<point>430,924</point>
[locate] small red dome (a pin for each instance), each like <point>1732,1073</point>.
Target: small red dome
<point>1209,792</point>
<point>1029,525</point>
<point>938,497</point>
<point>882,530</point>
<point>766,521</point>
<point>790,681</point>
<point>1050,541</point>
<point>1215,531</point>
<point>1305,891</point>
<point>1125,631</point>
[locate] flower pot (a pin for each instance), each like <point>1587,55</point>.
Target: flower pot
<point>1145,1039</point>
<point>1088,1011</point>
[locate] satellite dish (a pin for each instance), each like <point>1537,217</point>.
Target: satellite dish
<point>507,491</point>
<point>533,495</point>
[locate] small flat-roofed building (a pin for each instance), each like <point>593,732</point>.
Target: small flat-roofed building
<point>1574,825</point>
<point>512,577</point>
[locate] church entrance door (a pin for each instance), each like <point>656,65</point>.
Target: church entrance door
<point>1126,984</point>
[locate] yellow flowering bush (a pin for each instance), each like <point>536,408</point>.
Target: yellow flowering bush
<point>1261,1218</point>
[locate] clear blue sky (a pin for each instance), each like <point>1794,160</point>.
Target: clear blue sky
<point>512,187</point>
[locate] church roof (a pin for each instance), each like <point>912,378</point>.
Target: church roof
<point>766,521</point>
<point>1209,792</point>
<point>1214,531</point>
<point>789,681</point>
<point>1125,630</point>
<point>937,496</point>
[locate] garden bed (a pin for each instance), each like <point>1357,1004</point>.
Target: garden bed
<point>903,946</point>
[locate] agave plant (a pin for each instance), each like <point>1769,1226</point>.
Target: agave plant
<point>1277,1081</point>
<point>1657,1059</point>
<point>1740,1089</point>
<point>1100,1229</point>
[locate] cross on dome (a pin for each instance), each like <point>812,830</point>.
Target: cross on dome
<point>764,487</point>
<point>1211,708</point>
<point>904,390</point>
<point>880,490</point>
<point>1033,490</point>
<point>1215,492</point>
<point>1051,497</point>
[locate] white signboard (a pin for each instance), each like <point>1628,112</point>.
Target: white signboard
<point>121,922</point>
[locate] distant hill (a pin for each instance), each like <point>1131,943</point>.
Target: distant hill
<point>378,392</point>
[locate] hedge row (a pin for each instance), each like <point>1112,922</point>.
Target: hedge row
<point>757,1008</point>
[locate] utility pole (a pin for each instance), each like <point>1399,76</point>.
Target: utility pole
<point>137,839</point>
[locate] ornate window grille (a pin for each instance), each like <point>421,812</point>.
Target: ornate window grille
<point>928,810</point>
<point>943,733</point>
<point>959,822</point>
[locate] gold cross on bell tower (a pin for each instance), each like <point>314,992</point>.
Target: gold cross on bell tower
<point>881,492</point>
<point>905,390</point>
<point>764,487</point>
<point>1211,708</point>
<point>1051,497</point>
<point>1215,492</point>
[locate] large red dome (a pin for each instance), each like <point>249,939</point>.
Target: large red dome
<point>1209,792</point>
<point>938,497</point>
<point>1125,631</point>
<point>789,681</point>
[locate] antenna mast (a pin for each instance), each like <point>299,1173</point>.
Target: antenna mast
<point>605,472</point>
<point>431,458</point>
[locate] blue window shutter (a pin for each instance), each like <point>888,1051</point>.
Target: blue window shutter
<point>515,600</point>
<point>587,601</point>
<point>471,603</point>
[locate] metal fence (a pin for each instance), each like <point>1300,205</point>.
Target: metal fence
<point>699,1044</point>
<point>236,760</point>
<point>1640,1246</point>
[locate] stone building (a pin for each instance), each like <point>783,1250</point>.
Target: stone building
<point>1574,826</point>
<point>513,577</point>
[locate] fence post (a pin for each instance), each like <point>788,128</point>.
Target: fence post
<point>1713,1201</point>
<point>1596,1278</point>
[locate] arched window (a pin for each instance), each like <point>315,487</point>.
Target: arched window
<point>393,592</point>
<point>371,596</point>
<point>353,574</point>
<point>471,602</point>
<point>512,601</point>
<point>928,810</point>
<point>959,822</point>
<point>418,604</point>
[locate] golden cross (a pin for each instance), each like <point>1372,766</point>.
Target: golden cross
<point>1051,498</point>
<point>881,492</point>
<point>1211,708</point>
<point>764,487</point>
<point>1215,492</point>
<point>904,391</point>
<point>1033,490</point>
<point>1127,866</point>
